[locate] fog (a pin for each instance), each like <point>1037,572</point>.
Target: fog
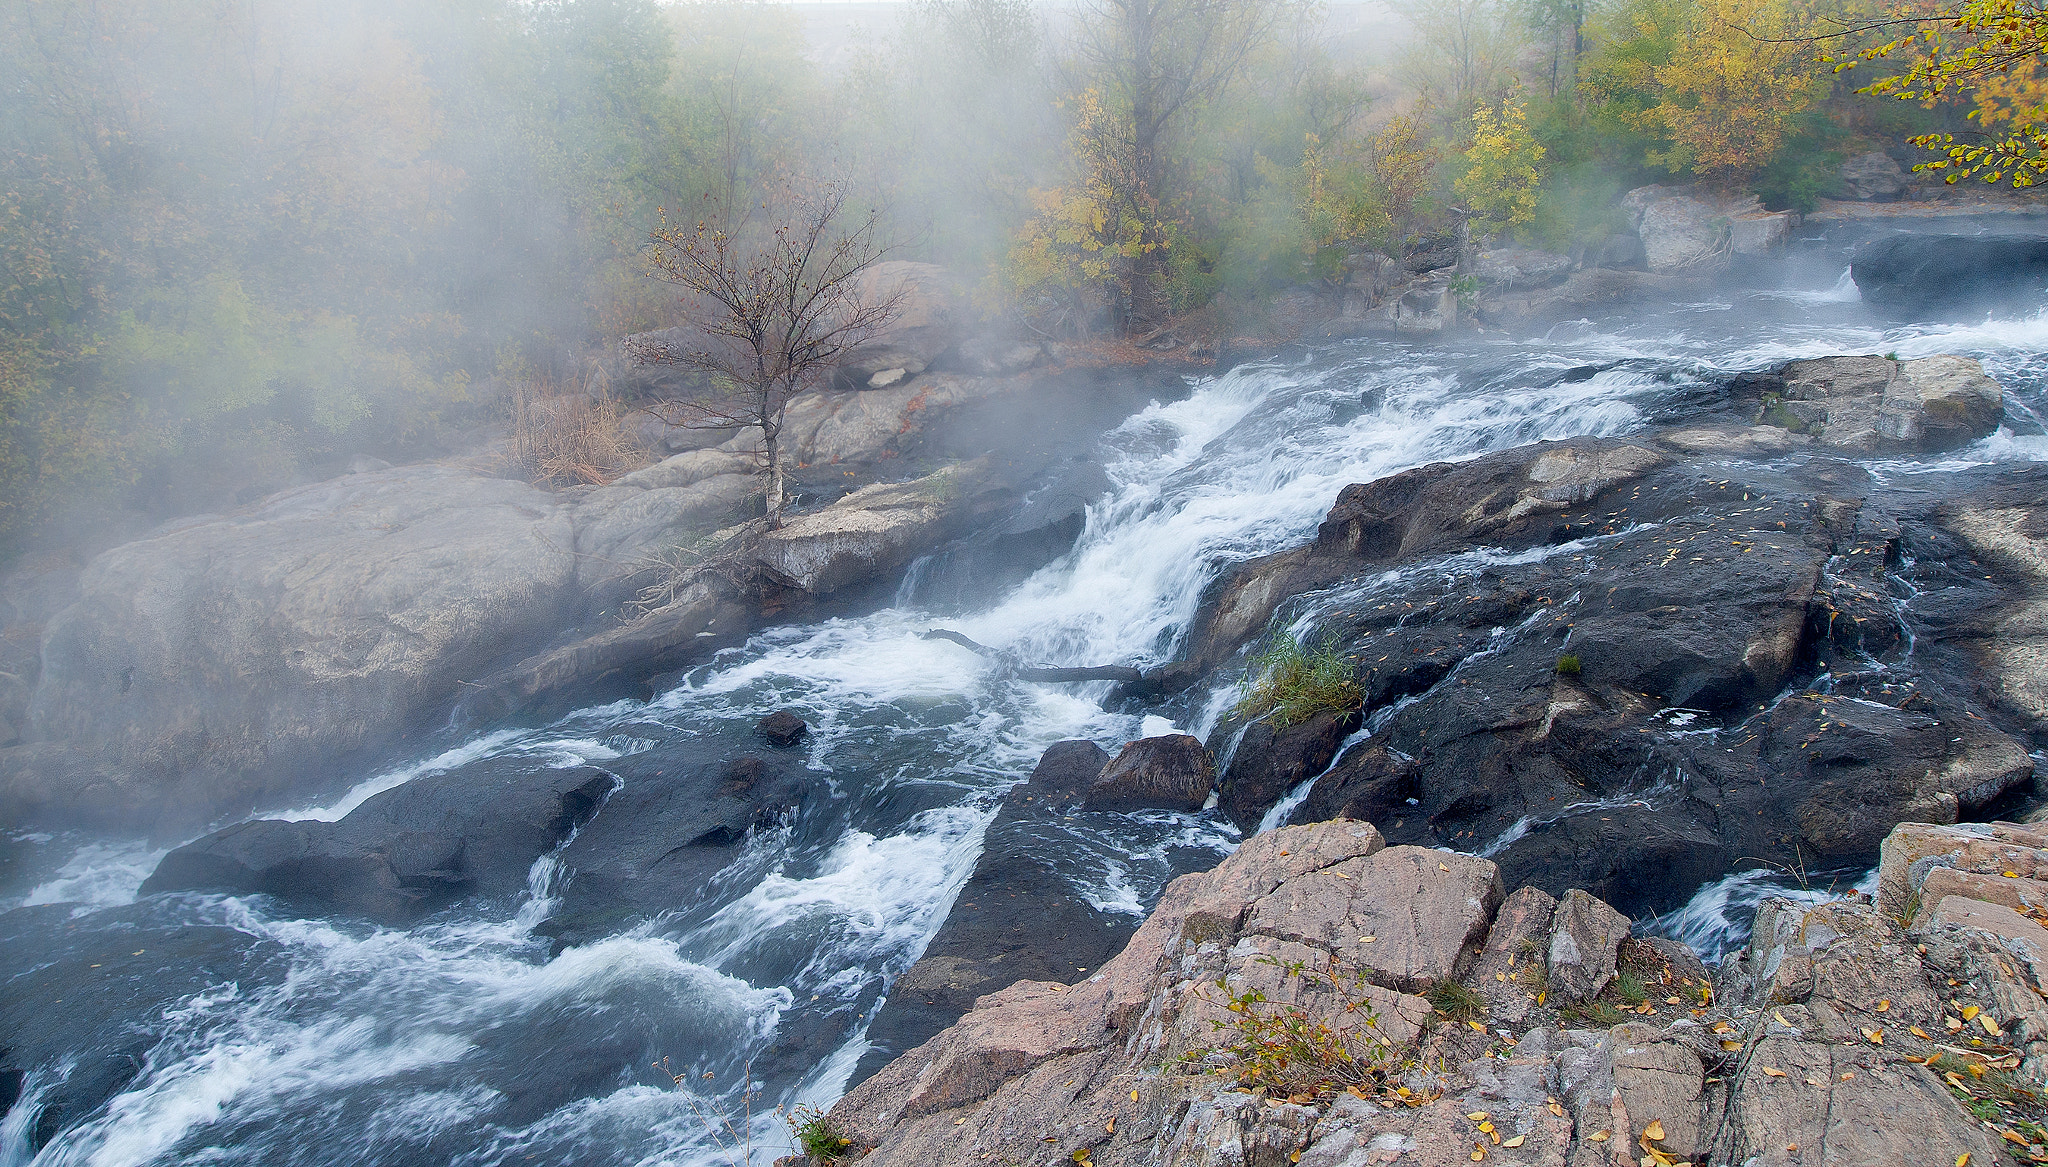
<point>248,241</point>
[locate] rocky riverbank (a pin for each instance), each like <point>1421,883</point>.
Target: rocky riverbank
<point>232,662</point>
<point>1322,998</point>
<point>1629,666</point>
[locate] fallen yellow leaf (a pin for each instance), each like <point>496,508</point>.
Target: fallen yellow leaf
<point>1599,1136</point>
<point>1134,1096</point>
<point>1655,1131</point>
<point>1441,867</point>
<point>1990,1026</point>
<point>1884,1004</point>
<point>1517,1141</point>
<point>1476,1025</point>
<point>1726,1043</point>
<point>1295,1156</point>
<point>1486,1127</point>
<point>1340,875</point>
<point>1874,1036</point>
<point>1477,1116</point>
<point>1110,1126</point>
<point>1963,1160</point>
<point>1918,1032</point>
<point>1781,1019</point>
<point>1367,939</point>
<point>1555,1109</point>
<point>1970,1012</point>
<point>1672,1001</point>
<point>1773,1072</point>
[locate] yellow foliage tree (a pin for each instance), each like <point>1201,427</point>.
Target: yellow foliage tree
<point>1504,174</point>
<point>1989,50</point>
<point>1081,241</point>
<point>1734,86</point>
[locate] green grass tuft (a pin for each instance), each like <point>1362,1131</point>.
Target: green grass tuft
<point>1455,1001</point>
<point>1568,665</point>
<point>1294,682</point>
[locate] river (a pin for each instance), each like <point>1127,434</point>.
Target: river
<point>230,1031</point>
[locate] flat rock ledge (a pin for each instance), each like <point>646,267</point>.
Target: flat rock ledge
<point>1909,1029</point>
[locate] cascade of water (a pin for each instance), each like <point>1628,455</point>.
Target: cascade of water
<point>468,1040</point>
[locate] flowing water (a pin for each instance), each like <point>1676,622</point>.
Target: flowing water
<point>240,1034</point>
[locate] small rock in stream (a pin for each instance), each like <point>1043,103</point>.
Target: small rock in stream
<point>782,728</point>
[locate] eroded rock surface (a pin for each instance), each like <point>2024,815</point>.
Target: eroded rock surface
<point>1840,1037</point>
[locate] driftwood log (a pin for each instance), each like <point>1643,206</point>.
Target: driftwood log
<point>1023,672</point>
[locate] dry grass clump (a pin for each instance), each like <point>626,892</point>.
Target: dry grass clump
<point>570,436</point>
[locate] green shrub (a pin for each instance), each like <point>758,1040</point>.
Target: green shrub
<point>1568,665</point>
<point>1294,683</point>
<point>1291,1051</point>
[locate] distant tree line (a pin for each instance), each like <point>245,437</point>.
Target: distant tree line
<point>243,239</point>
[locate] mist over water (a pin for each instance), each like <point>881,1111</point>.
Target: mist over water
<point>466,1040</point>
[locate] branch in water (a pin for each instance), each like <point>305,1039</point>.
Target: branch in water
<point>1124,673</point>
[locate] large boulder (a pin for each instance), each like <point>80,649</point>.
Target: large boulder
<point>1683,233</point>
<point>1522,267</point>
<point>1139,1062</point>
<point>1953,275</point>
<point>1880,405</point>
<point>878,528</point>
<point>1870,177</point>
<point>225,662</point>
<point>933,315</point>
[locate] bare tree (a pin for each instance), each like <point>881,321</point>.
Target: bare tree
<point>771,308</point>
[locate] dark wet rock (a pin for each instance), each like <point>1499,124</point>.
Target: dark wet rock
<point>783,728</point>
<point>674,823</point>
<point>1268,762</point>
<point>403,853</point>
<point>1065,773</point>
<point>1724,623</point>
<point>1917,274</point>
<point>1174,772</point>
<point>1018,918</point>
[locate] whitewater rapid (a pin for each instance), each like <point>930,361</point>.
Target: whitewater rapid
<point>375,1045</point>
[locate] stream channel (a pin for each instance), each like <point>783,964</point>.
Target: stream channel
<point>231,1031</point>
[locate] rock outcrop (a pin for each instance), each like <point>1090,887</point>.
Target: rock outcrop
<point>403,853</point>
<point>1879,405</point>
<point>1844,1035</point>
<point>1955,275</point>
<point>1579,658</point>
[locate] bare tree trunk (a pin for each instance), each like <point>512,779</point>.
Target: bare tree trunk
<point>772,436</point>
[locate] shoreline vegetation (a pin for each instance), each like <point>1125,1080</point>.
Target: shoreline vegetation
<point>249,246</point>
